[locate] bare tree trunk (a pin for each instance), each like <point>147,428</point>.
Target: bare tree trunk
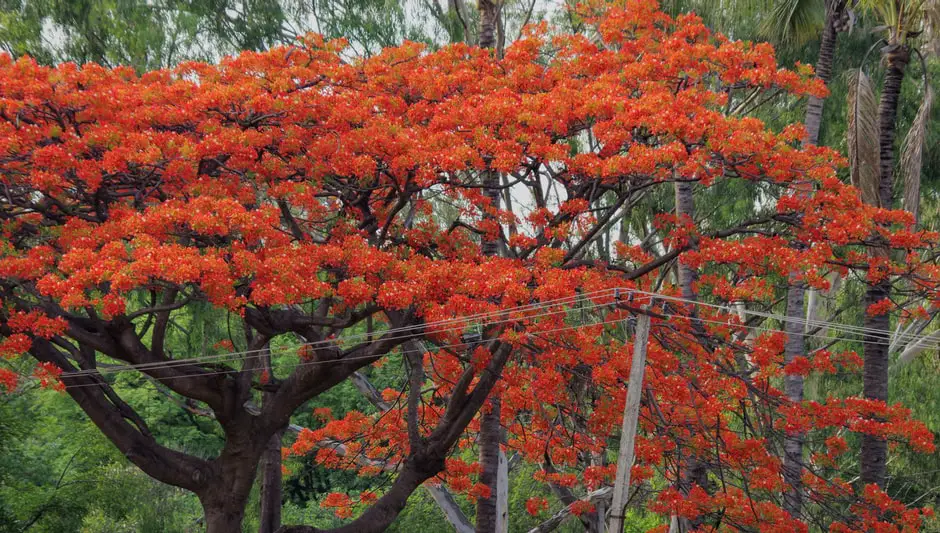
<point>451,509</point>
<point>691,470</point>
<point>874,451</point>
<point>487,508</point>
<point>502,493</point>
<point>793,385</point>
<point>796,342</point>
<point>489,12</point>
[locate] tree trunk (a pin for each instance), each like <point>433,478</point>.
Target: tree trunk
<point>897,59</point>
<point>487,509</point>
<point>451,509</point>
<point>814,106</point>
<point>225,500</point>
<point>270,519</point>
<point>685,205</point>
<point>796,342</point>
<point>271,486</point>
<point>488,24</point>
<point>827,50</point>
<point>490,434</point>
<point>502,492</point>
<point>835,10</point>
<point>224,519</point>
<point>222,484</point>
<point>233,474</point>
<point>793,384</point>
<point>874,450</point>
<point>693,472</point>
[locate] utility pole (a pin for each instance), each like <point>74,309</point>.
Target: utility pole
<point>631,414</point>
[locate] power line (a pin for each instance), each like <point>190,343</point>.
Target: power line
<point>335,361</point>
<point>786,319</point>
<point>464,321</point>
<point>503,312</point>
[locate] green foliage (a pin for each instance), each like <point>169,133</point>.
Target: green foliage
<point>370,25</point>
<point>145,35</point>
<point>58,474</point>
<point>794,22</point>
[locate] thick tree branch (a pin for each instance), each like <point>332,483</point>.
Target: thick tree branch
<point>161,463</point>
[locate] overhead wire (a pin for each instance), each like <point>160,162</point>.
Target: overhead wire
<point>783,318</point>
<point>430,328</point>
<point>433,327</point>
<point>238,355</point>
<point>335,361</point>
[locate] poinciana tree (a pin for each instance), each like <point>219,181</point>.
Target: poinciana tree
<point>295,189</point>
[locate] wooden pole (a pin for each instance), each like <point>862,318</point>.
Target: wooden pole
<point>631,414</point>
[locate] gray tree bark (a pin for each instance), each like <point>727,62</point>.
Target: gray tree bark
<point>795,330</point>
<point>487,512</point>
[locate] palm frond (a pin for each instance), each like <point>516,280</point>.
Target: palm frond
<point>907,19</point>
<point>932,23</point>
<point>912,153</point>
<point>862,136</point>
<point>794,22</point>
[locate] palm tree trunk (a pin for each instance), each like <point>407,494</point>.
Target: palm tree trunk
<point>874,452</point>
<point>827,51</point>
<point>796,342</point>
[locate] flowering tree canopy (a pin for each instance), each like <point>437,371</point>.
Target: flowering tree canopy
<point>307,194</point>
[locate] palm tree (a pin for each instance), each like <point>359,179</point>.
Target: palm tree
<point>790,23</point>
<point>794,22</point>
<point>903,22</point>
